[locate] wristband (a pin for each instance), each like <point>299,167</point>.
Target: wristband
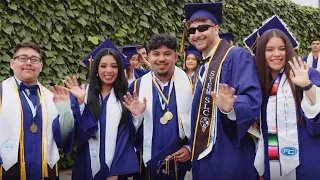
<point>307,87</point>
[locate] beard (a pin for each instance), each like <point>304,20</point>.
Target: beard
<point>163,74</point>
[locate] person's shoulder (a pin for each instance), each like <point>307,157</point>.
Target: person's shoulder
<point>239,52</point>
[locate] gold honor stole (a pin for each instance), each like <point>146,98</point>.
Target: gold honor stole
<point>12,132</point>
<point>206,109</point>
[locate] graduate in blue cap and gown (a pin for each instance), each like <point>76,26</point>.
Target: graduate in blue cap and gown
<point>160,105</point>
<point>228,36</point>
<point>133,57</point>
<point>192,59</point>
<point>312,59</point>
<point>103,127</point>
<point>226,101</point>
<point>34,122</point>
<point>290,140</point>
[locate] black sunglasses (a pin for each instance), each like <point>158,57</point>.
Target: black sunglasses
<point>200,28</point>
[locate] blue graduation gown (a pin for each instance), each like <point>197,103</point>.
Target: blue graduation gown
<point>309,141</point>
<point>163,135</point>
<point>233,153</point>
<point>124,161</point>
<point>33,145</point>
<point>139,72</point>
<point>314,62</point>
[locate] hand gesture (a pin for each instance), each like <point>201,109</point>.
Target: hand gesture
<point>133,104</point>
<point>73,88</point>
<point>183,154</point>
<point>59,94</point>
<point>299,72</point>
<point>225,99</point>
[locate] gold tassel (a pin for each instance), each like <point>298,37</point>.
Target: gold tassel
<point>140,153</point>
<point>23,174</point>
<point>184,61</point>
<point>183,41</point>
<point>255,44</point>
<point>90,63</point>
<point>175,167</point>
<point>57,170</point>
<point>44,169</point>
<point>0,172</point>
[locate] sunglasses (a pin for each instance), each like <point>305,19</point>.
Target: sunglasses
<point>200,28</point>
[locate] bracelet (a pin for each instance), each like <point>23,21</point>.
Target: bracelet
<point>307,87</point>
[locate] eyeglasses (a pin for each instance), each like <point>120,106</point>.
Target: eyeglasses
<point>200,28</point>
<point>24,59</point>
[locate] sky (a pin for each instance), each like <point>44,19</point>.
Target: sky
<point>313,3</point>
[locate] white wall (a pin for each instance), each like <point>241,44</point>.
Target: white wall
<point>313,3</point>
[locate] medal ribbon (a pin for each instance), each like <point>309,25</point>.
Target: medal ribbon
<point>161,95</point>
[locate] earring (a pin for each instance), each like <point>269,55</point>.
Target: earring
<point>97,75</point>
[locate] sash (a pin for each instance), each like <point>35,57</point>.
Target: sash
<point>183,101</point>
<point>206,111</point>
<point>114,112</point>
<point>281,114</point>
<point>11,123</point>
<point>310,61</point>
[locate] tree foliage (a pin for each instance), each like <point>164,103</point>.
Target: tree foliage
<point>67,31</point>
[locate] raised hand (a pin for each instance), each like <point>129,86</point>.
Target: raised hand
<point>225,99</point>
<point>133,104</point>
<point>74,88</point>
<point>299,72</point>
<point>59,94</point>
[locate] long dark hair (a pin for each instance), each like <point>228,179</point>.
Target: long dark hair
<point>264,74</point>
<point>120,85</point>
<point>198,59</point>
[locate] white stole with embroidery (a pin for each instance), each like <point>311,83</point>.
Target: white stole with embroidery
<point>183,99</point>
<point>10,125</point>
<point>114,112</point>
<point>281,113</point>
<point>310,61</point>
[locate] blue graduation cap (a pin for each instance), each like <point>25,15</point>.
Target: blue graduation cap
<point>106,44</point>
<point>228,36</point>
<point>192,50</point>
<point>274,22</point>
<point>212,11</point>
<point>129,50</point>
<point>165,163</point>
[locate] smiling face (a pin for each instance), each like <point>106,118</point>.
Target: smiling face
<point>162,61</point>
<point>206,40</point>
<point>275,55</point>
<point>108,70</point>
<point>26,72</point>
<point>191,62</point>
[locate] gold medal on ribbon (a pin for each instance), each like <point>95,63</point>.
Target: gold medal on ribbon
<point>34,128</point>
<point>163,120</point>
<point>168,115</point>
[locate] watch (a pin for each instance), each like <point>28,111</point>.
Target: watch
<point>307,87</point>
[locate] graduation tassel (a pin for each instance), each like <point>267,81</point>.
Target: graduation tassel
<point>183,40</point>
<point>175,166</point>
<point>23,174</point>
<point>90,64</point>
<point>140,151</point>
<point>57,170</point>
<point>0,172</point>
<point>182,48</point>
<point>44,169</point>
